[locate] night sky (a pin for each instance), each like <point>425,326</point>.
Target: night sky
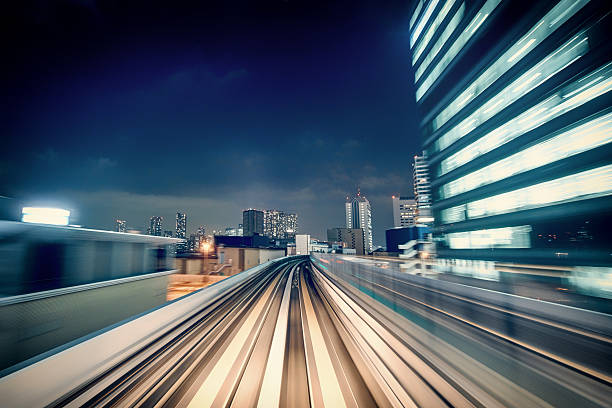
<point>129,109</point>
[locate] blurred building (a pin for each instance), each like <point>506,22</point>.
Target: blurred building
<point>404,211</point>
<point>200,237</point>
<point>252,222</point>
<point>422,190</point>
<point>75,279</point>
<point>516,123</point>
<point>168,234</point>
<point>351,237</point>
<point>359,216</point>
<point>156,226</point>
<point>181,225</point>
<point>181,231</point>
<point>193,243</point>
<point>120,225</point>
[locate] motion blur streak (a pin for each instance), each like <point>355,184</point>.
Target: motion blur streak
<point>292,332</point>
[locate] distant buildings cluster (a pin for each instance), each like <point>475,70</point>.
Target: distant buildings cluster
<point>279,227</point>
<point>270,223</point>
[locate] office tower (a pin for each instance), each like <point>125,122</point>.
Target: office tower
<point>168,233</point>
<point>359,215</point>
<point>515,102</point>
<point>290,225</point>
<point>181,225</point>
<point>156,226</point>
<point>422,190</point>
<point>181,232</point>
<point>352,237</point>
<point>253,222</point>
<point>279,224</point>
<point>272,223</point>
<point>200,237</point>
<point>120,225</point>
<point>404,211</point>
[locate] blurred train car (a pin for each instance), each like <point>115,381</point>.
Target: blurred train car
<point>60,283</point>
<point>38,257</point>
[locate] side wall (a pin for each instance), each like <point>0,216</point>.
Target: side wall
<point>35,323</point>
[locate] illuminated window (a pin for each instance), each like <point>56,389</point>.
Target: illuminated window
<point>457,46</point>
<point>419,27</point>
<point>567,98</point>
<point>545,69</point>
<point>538,33</point>
<point>508,237</point>
<point>432,30</point>
<point>433,53</point>
<point>581,186</point>
<point>416,13</point>
<point>590,135</point>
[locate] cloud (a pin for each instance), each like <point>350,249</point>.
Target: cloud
<point>49,155</point>
<point>201,77</point>
<point>103,163</point>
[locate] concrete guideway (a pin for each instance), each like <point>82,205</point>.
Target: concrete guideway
<point>293,334</point>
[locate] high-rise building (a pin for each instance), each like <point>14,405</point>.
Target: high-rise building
<point>181,232</point>
<point>516,123</point>
<point>192,243</point>
<point>253,222</point>
<point>359,215</point>
<point>200,237</point>
<point>404,211</point>
<point>120,225</point>
<point>279,224</point>
<point>352,237</point>
<point>181,225</point>
<point>422,190</point>
<point>156,226</point>
<point>289,225</point>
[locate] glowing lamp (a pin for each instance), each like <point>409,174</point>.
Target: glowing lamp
<point>43,215</point>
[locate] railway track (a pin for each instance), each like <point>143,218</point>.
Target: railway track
<point>296,335</point>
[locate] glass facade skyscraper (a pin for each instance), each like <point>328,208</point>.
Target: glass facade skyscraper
<point>517,124</point>
<point>253,222</point>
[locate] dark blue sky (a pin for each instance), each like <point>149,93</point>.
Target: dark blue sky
<point>128,109</point>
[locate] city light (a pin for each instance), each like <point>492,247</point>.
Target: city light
<point>45,215</point>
